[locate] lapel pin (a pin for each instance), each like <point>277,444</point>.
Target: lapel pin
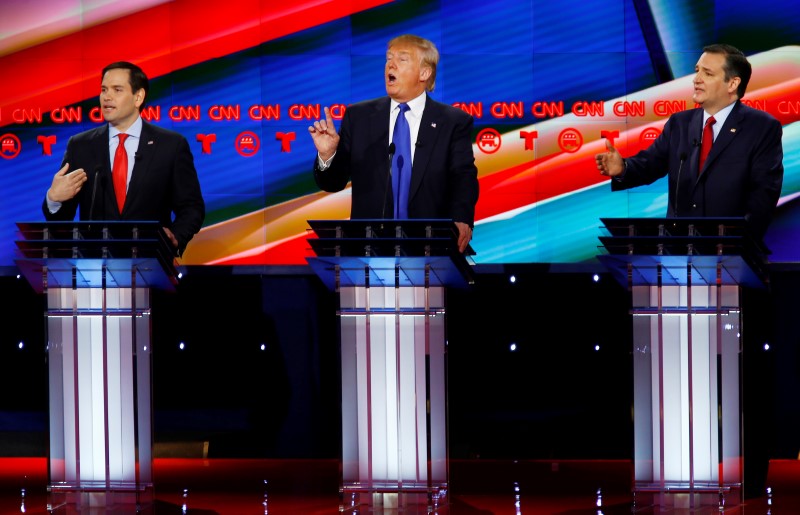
<point>433,125</point>
<point>150,142</point>
<point>733,130</point>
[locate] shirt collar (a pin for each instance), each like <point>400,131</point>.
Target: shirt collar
<point>134,130</point>
<point>721,116</point>
<point>415,106</point>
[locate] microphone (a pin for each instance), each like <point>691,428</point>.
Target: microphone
<point>683,157</point>
<point>390,151</point>
<point>97,170</point>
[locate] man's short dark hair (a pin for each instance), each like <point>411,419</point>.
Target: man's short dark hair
<point>736,64</point>
<point>137,78</point>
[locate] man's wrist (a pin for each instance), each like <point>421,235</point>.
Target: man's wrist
<point>621,176</point>
<point>324,164</point>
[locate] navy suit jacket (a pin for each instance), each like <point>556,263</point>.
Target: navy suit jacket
<point>444,179</point>
<point>742,176</point>
<point>164,181</point>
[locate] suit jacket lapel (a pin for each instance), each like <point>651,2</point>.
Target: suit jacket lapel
<point>100,150</point>
<point>141,165</point>
<point>426,142</point>
<point>377,122</point>
<point>726,136</point>
<point>102,156</point>
<point>695,136</point>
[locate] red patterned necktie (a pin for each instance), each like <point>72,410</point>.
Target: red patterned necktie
<point>708,140</point>
<point>120,172</point>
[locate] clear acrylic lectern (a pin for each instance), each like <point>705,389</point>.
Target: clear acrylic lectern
<point>391,276</point>
<point>685,277</point>
<point>96,277</point>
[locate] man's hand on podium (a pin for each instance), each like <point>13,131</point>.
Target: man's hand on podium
<point>464,235</point>
<point>171,237</point>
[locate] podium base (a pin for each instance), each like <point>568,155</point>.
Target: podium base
<point>86,497</point>
<point>682,495</point>
<point>390,497</point>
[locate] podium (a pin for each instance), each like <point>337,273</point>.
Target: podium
<point>96,277</point>
<point>685,276</point>
<point>391,277</point>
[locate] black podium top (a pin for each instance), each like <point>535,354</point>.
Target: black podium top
<point>95,254</point>
<point>681,251</point>
<point>388,252</point>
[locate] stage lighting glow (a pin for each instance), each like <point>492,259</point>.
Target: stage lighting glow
<point>596,278</point>
<point>596,347</point>
<point>263,347</point>
<point>512,279</point>
<point>21,345</point>
<point>181,346</point>
<point>766,346</point>
<point>513,347</point>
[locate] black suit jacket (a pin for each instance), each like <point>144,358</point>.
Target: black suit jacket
<point>742,176</point>
<point>444,179</point>
<point>164,181</point>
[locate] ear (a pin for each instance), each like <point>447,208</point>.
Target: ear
<point>424,73</point>
<point>733,85</point>
<point>138,97</point>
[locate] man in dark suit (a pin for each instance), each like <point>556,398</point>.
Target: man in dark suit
<point>743,173</point>
<point>158,175</point>
<point>741,176</point>
<point>443,182</point>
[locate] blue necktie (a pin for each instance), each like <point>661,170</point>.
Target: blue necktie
<point>401,167</point>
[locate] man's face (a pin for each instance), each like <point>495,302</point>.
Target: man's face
<point>711,90</point>
<point>405,79</point>
<point>119,103</point>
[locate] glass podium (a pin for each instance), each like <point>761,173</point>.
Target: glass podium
<point>97,277</point>
<point>391,278</point>
<point>685,278</point>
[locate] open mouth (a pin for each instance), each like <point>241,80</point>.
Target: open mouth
<point>391,78</point>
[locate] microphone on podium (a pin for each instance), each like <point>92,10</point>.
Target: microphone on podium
<point>390,151</point>
<point>683,157</point>
<point>97,170</point>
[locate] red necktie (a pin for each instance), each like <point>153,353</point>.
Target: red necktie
<point>708,140</point>
<point>120,172</point>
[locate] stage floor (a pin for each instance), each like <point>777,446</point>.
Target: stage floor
<point>478,487</point>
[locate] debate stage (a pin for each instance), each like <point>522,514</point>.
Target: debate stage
<point>310,487</point>
<point>550,416</point>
